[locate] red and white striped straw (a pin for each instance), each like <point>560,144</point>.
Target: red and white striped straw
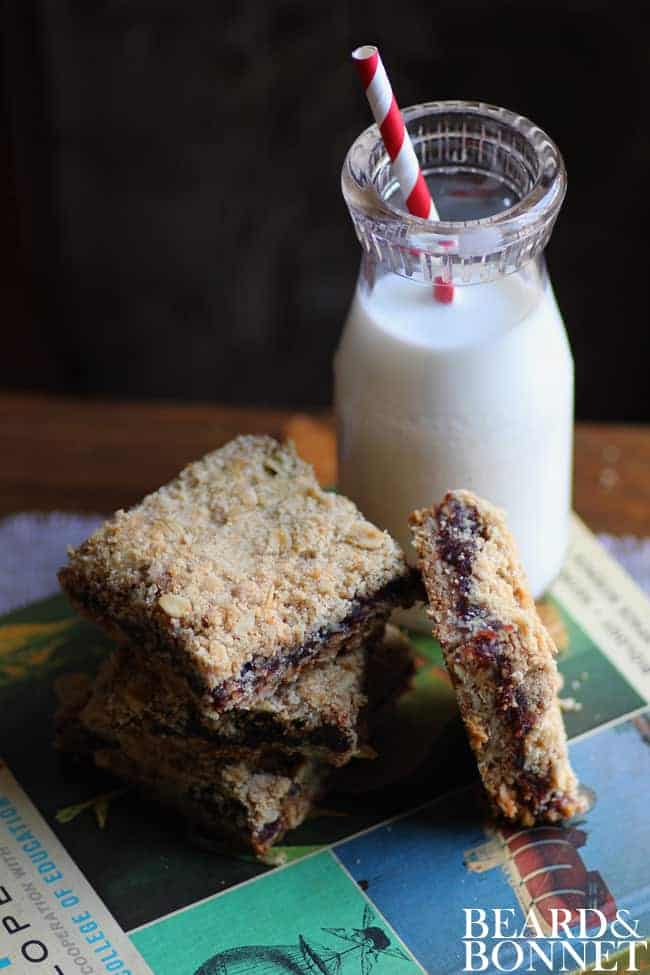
<point>393,131</point>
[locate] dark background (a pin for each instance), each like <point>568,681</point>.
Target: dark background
<point>170,178</point>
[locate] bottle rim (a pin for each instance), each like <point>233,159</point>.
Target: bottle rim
<point>501,242</point>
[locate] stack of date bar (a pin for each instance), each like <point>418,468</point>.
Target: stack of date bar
<point>249,607</point>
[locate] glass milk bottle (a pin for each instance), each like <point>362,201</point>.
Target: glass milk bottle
<point>475,392</point>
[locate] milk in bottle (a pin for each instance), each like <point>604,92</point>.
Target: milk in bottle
<point>478,392</point>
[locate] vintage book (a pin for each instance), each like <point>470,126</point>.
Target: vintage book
<point>399,870</point>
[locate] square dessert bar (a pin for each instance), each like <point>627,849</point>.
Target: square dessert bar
<point>500,658</point>
<point>318,713</point>
<point>252,800</point>
<point>240,571</point>
<point>321,713</point>
<point>251,805</point>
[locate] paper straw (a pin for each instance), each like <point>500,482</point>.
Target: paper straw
<point>399,147</point>
<point>388,117</point>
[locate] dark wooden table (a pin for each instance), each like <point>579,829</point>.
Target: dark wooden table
<point>74,455</point>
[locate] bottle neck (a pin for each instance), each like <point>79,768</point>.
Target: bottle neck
<point>498,182</point>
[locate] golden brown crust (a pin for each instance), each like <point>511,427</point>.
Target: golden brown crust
<point>500,658</point>
<point>236,564</point>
